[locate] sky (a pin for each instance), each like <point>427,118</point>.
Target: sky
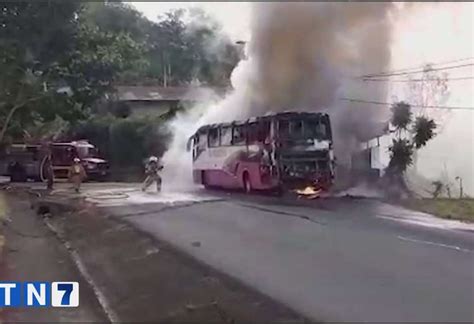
<point>234,16</point>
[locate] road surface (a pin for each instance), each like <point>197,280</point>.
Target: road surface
<point>336,259</point>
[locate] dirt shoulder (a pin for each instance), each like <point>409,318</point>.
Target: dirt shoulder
<point>32,253</point>
<point>144,280</point>
<point>460,209</point>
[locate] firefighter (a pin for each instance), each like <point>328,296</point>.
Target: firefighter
<point>152,169</point>
<point>76,174</point>
<point>49,172</point>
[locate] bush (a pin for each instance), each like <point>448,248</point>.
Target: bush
<point>125,142</point>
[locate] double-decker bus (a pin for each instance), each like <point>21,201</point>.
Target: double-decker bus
<point>277,152</point>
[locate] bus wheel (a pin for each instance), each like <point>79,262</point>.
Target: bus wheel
<point>204,181</point>
<point>247,183</point>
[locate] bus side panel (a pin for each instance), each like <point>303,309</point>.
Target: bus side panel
<point>258,180</point>
<point>226,167</point>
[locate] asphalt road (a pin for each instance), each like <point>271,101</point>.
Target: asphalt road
<point>333,260</point>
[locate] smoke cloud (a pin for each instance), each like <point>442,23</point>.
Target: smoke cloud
<point>304,56</point>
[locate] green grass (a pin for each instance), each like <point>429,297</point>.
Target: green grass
<point>460,209</point>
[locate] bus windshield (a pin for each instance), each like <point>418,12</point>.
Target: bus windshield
<point>304,129</point>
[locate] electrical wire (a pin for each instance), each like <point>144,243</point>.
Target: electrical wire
<point>371,76</point>
<point>415,106</point>
<point>420,80</point>
<point>386,73</point>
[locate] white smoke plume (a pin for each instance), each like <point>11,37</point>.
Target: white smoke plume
<point>303,56</point>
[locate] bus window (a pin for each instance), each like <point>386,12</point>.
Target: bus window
<point>252,132</point>
<point>213,137</point>
<point>258,132</point>
<point>283,128</point>
<point>296,129</point>
<point>226,136</point>
<point>321,131</point>
<point>263,131</point>
<point>202,140</point>
<point>238,136</point>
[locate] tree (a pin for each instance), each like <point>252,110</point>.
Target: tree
<point>401,115</point>
<point>423,131</point>
<point>431,88</point>
<point>53,64</point>
<point>401,155</point>
<point>188,45</point>
<point>410,136</point>
<point>31,42</point>
<point>438,188</point>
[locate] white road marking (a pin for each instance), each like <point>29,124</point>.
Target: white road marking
<point>453,247</point>
<point>421,219</point>
<point>104,303</point>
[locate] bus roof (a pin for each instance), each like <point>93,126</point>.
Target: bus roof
<point>268,116</point>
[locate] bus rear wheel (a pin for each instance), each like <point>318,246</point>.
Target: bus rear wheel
<point>247,183</point>
<point>204,180</point>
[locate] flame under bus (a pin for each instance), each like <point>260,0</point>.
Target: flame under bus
<point>273,152</point>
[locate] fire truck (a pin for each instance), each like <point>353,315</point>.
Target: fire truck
<point>28,161</point>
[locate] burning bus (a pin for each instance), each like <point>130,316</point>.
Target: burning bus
<point>283,151</point>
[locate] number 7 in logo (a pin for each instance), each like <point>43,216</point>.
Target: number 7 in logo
<point>65,294</point>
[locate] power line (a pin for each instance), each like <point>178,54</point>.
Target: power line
<point>418,80</point>
<point>366,77</point>
<point>416,67</point>
<point>415,106</point>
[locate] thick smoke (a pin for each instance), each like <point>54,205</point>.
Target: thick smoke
<point>304,56</point>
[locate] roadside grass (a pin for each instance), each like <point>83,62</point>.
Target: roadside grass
<point>447,208</point>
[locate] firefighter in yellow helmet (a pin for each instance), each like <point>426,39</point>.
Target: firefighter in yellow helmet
<point>76,174</point>
<point>152,168</point>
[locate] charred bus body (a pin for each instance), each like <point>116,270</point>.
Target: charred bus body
<point>281,151</point>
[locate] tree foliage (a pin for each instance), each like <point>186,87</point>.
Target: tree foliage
<point>438,188</point>
<point>404,145</point>
<point>431,88</point>
<point>423,130</point>
<point>55,65</point>
<point>181,47</point>
<point>401,115</point>
<point>124,141</point>
<point>59,60</point>
<point>401,155</point>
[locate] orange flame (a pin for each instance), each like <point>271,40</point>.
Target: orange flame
<point>309,192</point>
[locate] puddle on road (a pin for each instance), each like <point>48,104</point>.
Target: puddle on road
<point>400,214</point>
<point>122,197</point>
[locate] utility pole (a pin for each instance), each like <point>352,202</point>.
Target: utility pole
<point>461,194</point>
<point>165,69</point>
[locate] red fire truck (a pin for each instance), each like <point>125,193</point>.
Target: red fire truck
<point>27,161</point>
<point>284,151</point>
